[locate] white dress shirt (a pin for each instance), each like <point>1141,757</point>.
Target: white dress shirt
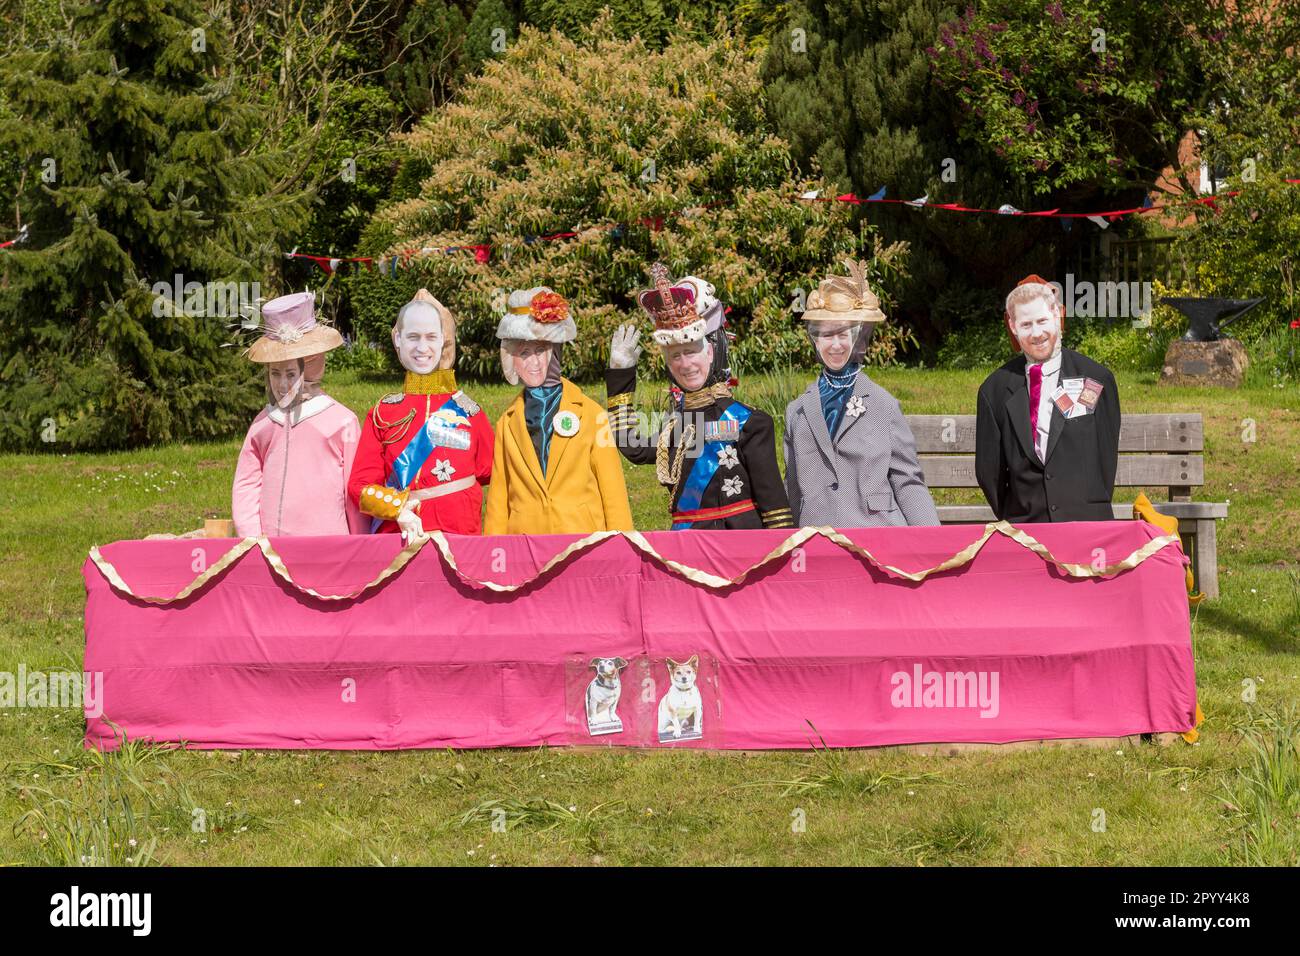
<point>1051,373</point>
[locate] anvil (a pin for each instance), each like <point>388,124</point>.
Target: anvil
<point>1205,316</point>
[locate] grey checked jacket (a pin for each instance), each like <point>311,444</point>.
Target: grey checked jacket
<point>868,476</point>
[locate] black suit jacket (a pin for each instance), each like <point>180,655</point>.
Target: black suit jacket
<point>1078,478</point>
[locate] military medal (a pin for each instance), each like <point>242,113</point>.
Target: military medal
<point>722,430</point>
<point>443,428</point>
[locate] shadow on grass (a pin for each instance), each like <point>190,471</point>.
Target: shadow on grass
<point>1277,637</point>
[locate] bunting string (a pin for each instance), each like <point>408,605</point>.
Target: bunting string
<point>21,237</point>
<point>482,252</point>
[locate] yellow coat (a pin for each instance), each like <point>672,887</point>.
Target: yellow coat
<point>583,490</point>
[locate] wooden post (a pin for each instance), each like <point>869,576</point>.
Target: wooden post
<point>1207,557</point>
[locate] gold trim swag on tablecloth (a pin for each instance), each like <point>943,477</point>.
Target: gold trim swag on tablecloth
<point>638,541</point>
<point>1142,510</point>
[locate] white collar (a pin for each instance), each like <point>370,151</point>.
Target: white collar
<point>1050,367</point>
<point>313,406</point>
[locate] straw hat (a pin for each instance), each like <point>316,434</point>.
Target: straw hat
<point>290,330</point>
<point>845,298</point>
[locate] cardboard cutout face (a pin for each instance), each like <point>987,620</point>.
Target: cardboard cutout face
<point>1036,327</point>
<point>689,364</point>
<point>285,380</point>
<point>530,360</point>
<point>834,342</point>
<point>419,340</point>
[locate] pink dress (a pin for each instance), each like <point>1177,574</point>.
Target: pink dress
<point>293,481</point>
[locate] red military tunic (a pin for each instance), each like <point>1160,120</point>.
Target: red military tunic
<point>385,432</point>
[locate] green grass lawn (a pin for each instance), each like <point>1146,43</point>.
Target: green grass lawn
<point>1232,798</point>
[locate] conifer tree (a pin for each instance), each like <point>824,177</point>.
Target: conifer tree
<point>141,164</point>
<point>490,27</point>
<point>848,83</point>
<point>433,59</point>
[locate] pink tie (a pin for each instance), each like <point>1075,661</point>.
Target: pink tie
<point>1035,392</point>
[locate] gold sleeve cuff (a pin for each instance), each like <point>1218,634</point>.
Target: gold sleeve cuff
<point>777,518</point>
<point>622,398</point>
<point>382,502</point>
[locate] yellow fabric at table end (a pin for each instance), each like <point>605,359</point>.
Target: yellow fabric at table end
<point>1193,735</point>
<point>1144,510</point>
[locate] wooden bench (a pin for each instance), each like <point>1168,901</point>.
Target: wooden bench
<point>1155,451</point>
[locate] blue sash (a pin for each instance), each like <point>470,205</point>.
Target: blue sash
<point>417,451</point>
<point>706,464</point>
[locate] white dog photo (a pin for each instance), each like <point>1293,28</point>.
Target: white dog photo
<point>602,696</point>
<point>681,710</point>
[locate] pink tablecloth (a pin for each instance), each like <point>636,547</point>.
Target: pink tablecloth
<point>1005,648</point>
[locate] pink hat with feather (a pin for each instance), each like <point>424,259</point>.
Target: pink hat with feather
<point>290,330</point>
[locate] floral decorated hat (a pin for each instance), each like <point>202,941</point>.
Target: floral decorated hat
<point>537,315</point>
<point>534,315</point>
<point>845,299</point>
<point>290,330</point>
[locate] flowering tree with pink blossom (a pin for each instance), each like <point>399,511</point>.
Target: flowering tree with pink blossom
<point>1092,93</point>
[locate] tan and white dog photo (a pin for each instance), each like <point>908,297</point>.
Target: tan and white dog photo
<point>603,694</point>
<point>681,710</point>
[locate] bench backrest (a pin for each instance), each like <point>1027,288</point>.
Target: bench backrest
<point>1154,450</point>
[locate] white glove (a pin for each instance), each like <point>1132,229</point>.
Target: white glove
<point>410,523</point>
<point>623,348</point>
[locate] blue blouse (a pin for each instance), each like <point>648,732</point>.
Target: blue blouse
<point>539,409</point>
<point>835,389</point>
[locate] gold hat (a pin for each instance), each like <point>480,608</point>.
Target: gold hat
<point>844,298</point>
